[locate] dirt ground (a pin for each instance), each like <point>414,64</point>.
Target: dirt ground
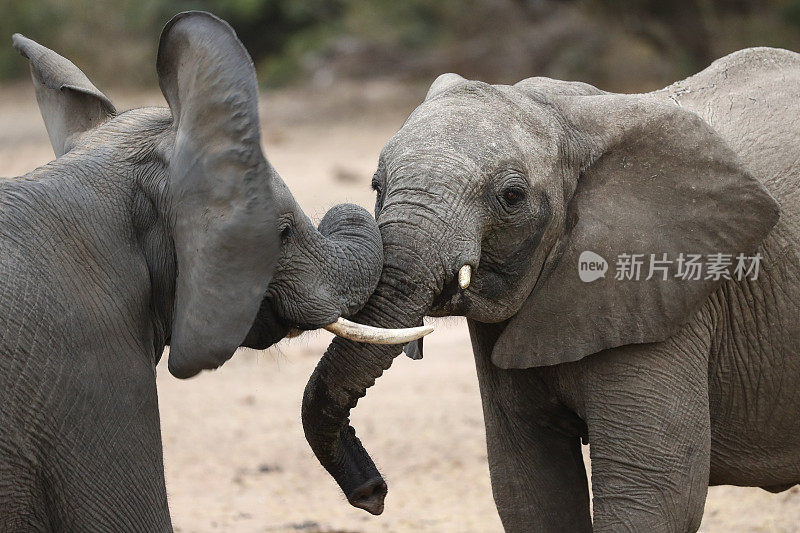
<point>235,455</point>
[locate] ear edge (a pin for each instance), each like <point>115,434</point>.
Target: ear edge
<point>165,54</point>
<point>35,53</point>
<point>68,101</point>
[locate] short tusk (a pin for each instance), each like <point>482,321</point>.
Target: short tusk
<point>464,276</point>
<point>372,335</point>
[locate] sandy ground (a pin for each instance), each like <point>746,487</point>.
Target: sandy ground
<point>235,455</point>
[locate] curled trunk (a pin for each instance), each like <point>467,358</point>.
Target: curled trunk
<point>352,252</point>
<point>323,273</point>
<point>348,369</point>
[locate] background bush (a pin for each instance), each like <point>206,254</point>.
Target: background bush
<point>616,44</point>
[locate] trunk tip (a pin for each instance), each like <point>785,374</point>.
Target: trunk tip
<point>370,496</point>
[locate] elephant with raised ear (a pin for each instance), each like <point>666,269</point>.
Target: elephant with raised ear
<point>488,197</point>
<point>152,226</point>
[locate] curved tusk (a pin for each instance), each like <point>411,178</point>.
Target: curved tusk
<point>464,276</point>
<point>372,335</point>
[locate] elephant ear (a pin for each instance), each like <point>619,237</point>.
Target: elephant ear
<point>654,179</point>
<point>69,103</point>
<point>224,228</point>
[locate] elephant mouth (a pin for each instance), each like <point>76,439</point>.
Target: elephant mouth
<point>268,328</point>
<point>453,300</point>
<point>483,299</point>
<point>448,298</point>
<point>294,332</point>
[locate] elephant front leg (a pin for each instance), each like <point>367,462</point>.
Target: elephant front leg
<point>537,471</point>
<point>538,477</point>
<point>649,432</point>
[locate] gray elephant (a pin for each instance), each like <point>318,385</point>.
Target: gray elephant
<point>153,226</point>
<point>487,199</point>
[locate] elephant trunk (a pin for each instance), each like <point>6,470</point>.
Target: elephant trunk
<point>348,369</point>
<point>352,255</point>
<point>352,252</point>
<point>323,273</point>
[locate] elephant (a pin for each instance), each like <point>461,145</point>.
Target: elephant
<point>152,227</point>
<point>489,199</point>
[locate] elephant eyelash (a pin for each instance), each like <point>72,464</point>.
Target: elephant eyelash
<point>285,228</point>
<point>376,186</point>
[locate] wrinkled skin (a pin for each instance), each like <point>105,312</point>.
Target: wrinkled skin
<point>153,226</point>
<point>675,384</point>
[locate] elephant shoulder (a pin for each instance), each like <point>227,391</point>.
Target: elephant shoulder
<point>747,67</point>
<point>751,98</point>
<point>756,59</point>
<point>747,80</point>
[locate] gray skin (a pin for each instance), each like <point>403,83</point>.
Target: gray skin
<point>676,384</point>
<point>153,226</point>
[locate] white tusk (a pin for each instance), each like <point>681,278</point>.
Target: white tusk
<point>464,276</point>
<point>372,335</point>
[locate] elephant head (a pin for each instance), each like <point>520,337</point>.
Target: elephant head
<point>232,258</point>
<point>486,198</point>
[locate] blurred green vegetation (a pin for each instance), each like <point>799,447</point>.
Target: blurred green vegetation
<point>616,44</point>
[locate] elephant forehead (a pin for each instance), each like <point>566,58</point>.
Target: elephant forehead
<point>474,133</point>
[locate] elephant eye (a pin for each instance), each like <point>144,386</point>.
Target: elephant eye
<point>513,195</point>
<point>285,229</point>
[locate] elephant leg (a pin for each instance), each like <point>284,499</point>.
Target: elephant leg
<point>107,472</point>
<point>649,432</point>
<point>534,449</point>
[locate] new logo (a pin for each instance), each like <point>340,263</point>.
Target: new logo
<point>591,266</point>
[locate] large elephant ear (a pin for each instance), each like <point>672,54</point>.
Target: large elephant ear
<point>654,179</point>
<point>68,101</point>
<point>224,228</point>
